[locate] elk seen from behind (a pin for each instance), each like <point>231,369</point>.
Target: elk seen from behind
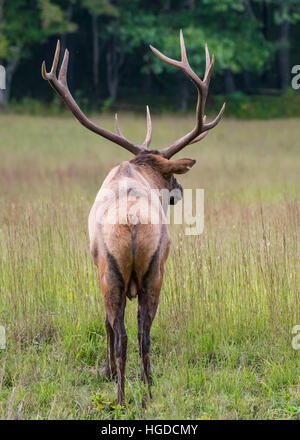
<point>130,252</point>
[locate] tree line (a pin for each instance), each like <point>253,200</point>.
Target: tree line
<point>255,43</point>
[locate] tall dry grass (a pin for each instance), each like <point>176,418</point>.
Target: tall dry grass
<point>221,341</point>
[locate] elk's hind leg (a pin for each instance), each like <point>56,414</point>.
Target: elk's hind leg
<point>148,302</point>
<point>110,369</point>
<point>115,301</point>
<point>148,298</point>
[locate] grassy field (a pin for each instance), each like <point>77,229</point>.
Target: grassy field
<point>221,341</point>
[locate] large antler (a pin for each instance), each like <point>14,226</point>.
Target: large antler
<point>60,85</point>
<point>201,128</point>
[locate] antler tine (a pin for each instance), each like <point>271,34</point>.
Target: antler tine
<point>118,130</point>
<point>44,72</point>
<point>52,72</point>
<point>207,60</point>
<point>184,59</point>
<point>199,138</point>
<point>165,58</point>
<point>176,63</point>
<point>209,125</point>
<point>207,57</point>
<point>146,143</point>
<point>201,128</point>
<point>148,138</point>
<point>217,119</point>
<point>56,58</point>
<point>208,72</point>
<point>64,68</point>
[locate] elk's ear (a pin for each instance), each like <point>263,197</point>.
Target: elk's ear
<point>181,166</point>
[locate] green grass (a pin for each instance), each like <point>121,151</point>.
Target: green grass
<point>221,340</point>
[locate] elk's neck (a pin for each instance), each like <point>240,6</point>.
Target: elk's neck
<point>156,182</point>
<point>153,177</point>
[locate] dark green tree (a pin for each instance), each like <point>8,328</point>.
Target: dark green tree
<point>22,26</point>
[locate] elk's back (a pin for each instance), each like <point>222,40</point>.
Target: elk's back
<point>122,237</point>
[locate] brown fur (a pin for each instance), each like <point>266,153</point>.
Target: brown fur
<point>131,258</point>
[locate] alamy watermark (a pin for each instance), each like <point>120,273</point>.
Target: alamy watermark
<point>296,338</point>
<point>296,78</point>
<point>133,205</point>
<point>2,78</point>
<point>2,338</point>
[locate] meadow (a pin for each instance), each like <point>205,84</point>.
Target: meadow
<point>221,341</point>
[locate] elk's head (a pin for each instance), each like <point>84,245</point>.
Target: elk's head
<point>159,161</point>
<point>161,171</point>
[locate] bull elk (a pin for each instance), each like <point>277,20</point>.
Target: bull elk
<point>130,256</point>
